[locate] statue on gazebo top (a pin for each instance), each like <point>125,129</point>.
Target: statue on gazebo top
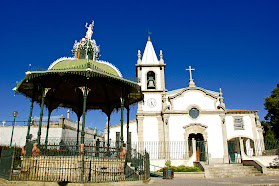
<point>89,32</point>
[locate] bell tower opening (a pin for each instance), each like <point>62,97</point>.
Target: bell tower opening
<point>151,80</point>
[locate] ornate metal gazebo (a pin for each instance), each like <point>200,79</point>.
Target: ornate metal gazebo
<point>80,83</point>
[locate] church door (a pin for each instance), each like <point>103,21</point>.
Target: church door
<point>201,146</point>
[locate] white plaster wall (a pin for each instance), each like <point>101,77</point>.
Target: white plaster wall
<point>150,129</point>
<point>231,132</point>
<point>157,97</point>
<point>194,97</point>
<point>68,133</point>
<point>19,136</point>
<point>144,71</point>
<point>132,129</point>
<point>214,131</point>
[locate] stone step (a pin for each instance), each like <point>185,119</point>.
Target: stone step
<point>233,175</point>
<point>227,169</point>
<point>226,165</point>
<point>235,172</point>
<point>231,170</point>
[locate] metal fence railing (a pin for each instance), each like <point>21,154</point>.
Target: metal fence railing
<point>68,161</point>
<point>172,149</point>
<point>261,147</point>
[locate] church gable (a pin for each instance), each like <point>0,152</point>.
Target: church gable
<point>193,96</point>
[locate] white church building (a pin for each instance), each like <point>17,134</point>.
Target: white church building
<point>187,124</point>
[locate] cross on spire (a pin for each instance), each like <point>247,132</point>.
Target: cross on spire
<point>190,70</point>
<point>191,82</point>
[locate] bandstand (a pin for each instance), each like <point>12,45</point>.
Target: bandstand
<point>80,83</point>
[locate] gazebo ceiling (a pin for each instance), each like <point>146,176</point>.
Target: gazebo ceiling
<point>105,90</point>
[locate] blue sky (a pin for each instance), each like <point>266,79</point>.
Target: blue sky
<point>233,45</point>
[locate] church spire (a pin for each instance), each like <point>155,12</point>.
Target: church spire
<point>149,55</point>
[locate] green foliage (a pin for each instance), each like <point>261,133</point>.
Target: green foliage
<point>272,118</point>
<point>183,168</point>
<point>168,163</point>
<point>268,132</point>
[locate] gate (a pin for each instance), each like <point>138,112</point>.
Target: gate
<point>234,151</point>
<point>201,151</point>
<point>6,162</point>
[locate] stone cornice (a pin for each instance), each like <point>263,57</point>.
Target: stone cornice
<point>150,65</point>
<point>195,124</point>
<point>192,88</point>
<point>153,91</point>
<point>201,112</point>
<point>149,113</point>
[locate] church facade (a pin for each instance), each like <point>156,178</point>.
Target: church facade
<point>188,124</point>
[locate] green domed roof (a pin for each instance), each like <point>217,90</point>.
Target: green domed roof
<point>74,63</point>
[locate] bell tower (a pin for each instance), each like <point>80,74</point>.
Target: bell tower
<point>150,70</point>
<point>151,75</point>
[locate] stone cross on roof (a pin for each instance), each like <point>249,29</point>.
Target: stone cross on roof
<point>191,82</point>
<point>190,71</point>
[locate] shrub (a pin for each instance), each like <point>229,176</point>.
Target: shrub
<point>183,168</point>
<point>168,163</point>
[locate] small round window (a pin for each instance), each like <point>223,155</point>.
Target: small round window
<point>194,113</point>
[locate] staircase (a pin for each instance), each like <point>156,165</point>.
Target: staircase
<point>230,170</point>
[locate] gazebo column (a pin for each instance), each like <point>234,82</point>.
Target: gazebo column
<point>44,92</point>
<point>121,120</point>
<point>29,121</point>
<point>85,91</point>
<point>48,121</point>
<point>128,136</point>
<point>108,142</point>
<point>78,127</point>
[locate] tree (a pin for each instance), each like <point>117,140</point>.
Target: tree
<point>272,106</point>
<point>268,132</point>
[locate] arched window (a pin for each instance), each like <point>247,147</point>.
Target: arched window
<point>151,81</point>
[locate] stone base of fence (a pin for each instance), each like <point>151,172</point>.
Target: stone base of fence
<point>59,168</point>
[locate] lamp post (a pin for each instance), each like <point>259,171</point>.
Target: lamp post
<point>15,113</point>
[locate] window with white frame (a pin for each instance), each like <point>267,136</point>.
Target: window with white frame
<point>238,123</point>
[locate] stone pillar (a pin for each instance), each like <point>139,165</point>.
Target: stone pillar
<point>140,134</point>
<point>166,134</point>
<point>225,142</point>
<point>254,131</point>
<point>161,134</point>
<point>194,146</point>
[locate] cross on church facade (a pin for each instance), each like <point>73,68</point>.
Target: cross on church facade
<point>190,70</point>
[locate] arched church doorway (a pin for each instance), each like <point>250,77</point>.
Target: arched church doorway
<point>201,146</point>
<point>234,150</point>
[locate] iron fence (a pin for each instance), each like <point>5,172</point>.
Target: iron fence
<point>172,149</point>
<point>261,147</point>
<point>68,161</point>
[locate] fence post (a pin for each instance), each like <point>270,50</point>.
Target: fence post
<point>145,167</point>
<point>82,163</point>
